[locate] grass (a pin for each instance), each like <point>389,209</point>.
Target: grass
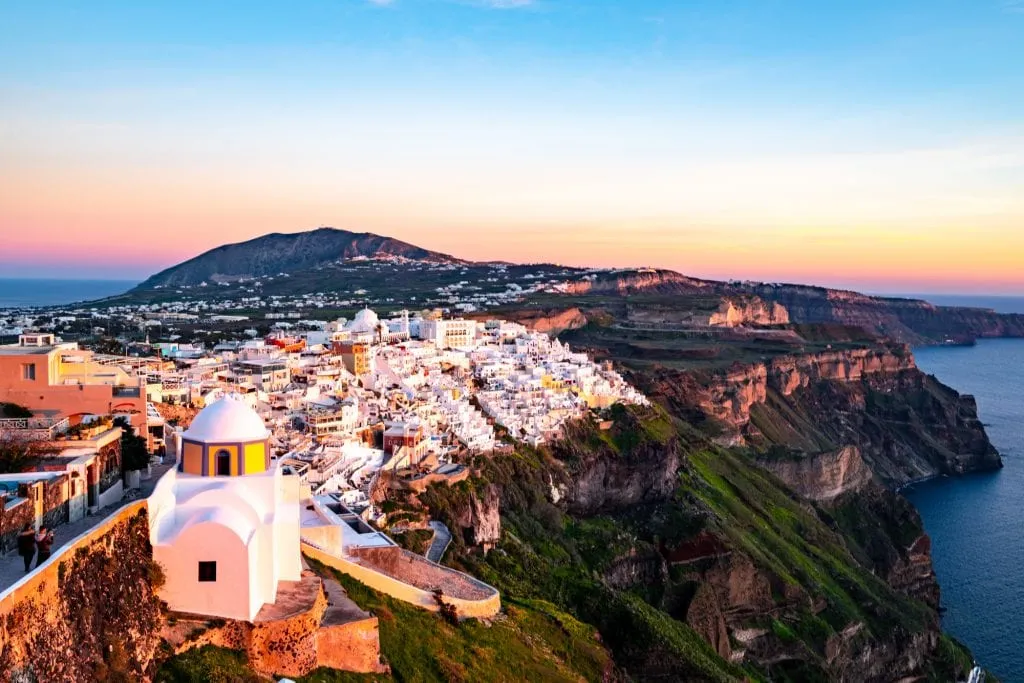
<point>207,664</point>
<point>794,544</point>
<point>532,640</point>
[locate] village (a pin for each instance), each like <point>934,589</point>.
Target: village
<point>284,441</point>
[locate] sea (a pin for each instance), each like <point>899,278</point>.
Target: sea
<point>18,292</point>
<point>999,304</point>
<point>977,522</point>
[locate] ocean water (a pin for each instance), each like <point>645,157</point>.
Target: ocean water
<point>977,522</point>
<point>16,292</point>
<point>1000,304</point>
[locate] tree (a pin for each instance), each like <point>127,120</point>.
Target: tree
<point>134,455</point>
<point>14,410</point>
<point>18,454</point>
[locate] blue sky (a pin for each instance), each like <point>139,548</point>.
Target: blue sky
<point>712,137</point>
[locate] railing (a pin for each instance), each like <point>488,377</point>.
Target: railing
<point>35,427</point>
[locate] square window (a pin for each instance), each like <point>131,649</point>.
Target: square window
<point>207,571</point>
<point>28,371</point>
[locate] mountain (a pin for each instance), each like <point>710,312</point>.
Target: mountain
<point>285,253</point>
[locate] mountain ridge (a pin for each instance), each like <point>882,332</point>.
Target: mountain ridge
<point>278,252</point>
<point>311,255</point>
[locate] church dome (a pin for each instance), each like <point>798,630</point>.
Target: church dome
<point>365,321</point>
<point>228,420</point>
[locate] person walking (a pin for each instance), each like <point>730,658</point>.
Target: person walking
<point>44,541</point>
<point>27,546</point>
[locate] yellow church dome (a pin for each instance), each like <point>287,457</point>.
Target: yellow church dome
<point>227,438</point>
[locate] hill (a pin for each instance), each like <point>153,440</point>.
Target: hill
<point>286,253</point>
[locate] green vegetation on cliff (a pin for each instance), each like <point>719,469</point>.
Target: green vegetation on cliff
<point>667,582</point>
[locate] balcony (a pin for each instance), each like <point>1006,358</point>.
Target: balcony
<point>35,427</point>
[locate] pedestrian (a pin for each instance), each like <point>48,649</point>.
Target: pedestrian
<point>44,541</point>
<point>27,546</point>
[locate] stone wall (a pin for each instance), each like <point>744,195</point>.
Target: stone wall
<point>293,645</point>
<point>481,608</point>
<point>89,613</point>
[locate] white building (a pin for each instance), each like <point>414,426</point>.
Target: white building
<point>449,334</point>
<point>225,524</point>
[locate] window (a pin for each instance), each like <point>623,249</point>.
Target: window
<point>223,463</point>
<point>28,371</point>
<point>207,571</point>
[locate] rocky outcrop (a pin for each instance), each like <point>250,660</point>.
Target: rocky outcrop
<point>480,519</point>
<point>635,281</point>
<point>906,425</point>
<point>603,478</point>
<point>552,322</point>
<point>821,477</point>
<point>735,311</point>
<point>636,569</point>
<point>910,321</point>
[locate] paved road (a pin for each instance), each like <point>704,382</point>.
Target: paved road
<point>442,537</point>
<point>12,567</point>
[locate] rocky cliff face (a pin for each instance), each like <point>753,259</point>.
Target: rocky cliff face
<point>608,475</point>
<point>905,320</point>
<point>636,281</point>
<point>480,519</point>
<point>822,477</point>
<point>749,311</point>
<point>906,425</point>
<point>548,321</point>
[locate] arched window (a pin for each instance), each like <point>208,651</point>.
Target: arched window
<point>223,463</point>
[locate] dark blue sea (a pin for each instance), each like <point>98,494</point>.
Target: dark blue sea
<point>15,292</point>
<point>977,522</point>
<point>1000,304</point>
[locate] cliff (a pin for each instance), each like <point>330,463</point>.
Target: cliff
<point>822,477</point>
<point>736,311</point>
<point>633,281</point>
<point>909,321</point>
<point>552,321</point>
<point>906,425</point>
<point>695,564</point>
<point>285,253</point>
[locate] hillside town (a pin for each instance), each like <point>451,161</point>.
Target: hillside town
<point>412,396</point>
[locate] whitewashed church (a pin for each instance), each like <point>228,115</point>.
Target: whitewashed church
<point>225,525</point>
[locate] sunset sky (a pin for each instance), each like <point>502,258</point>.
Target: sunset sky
<point>874,144</point>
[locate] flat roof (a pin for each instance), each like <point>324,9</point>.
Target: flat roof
<point>16,350</point>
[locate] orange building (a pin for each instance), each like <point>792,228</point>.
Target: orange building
<point>62,381</point>
<point>355,356</point>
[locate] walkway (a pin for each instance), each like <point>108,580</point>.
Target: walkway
<point>442,538</point>
<point>12,566</point>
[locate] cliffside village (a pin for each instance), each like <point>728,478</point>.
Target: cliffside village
<point>343,402</point>
<point>274,447</point>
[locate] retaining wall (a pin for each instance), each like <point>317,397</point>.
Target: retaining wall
<point>89,612</point>
<point>477,609</point>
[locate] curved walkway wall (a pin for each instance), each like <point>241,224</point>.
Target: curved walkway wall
<point>478,609</point>
<point>89,611</point>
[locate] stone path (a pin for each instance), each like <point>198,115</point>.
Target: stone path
<point>442,537</point>
<point>12,566</point>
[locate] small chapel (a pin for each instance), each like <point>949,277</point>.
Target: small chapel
<point>225,527</point>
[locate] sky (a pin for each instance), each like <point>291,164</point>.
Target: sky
<point>871,144</point>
